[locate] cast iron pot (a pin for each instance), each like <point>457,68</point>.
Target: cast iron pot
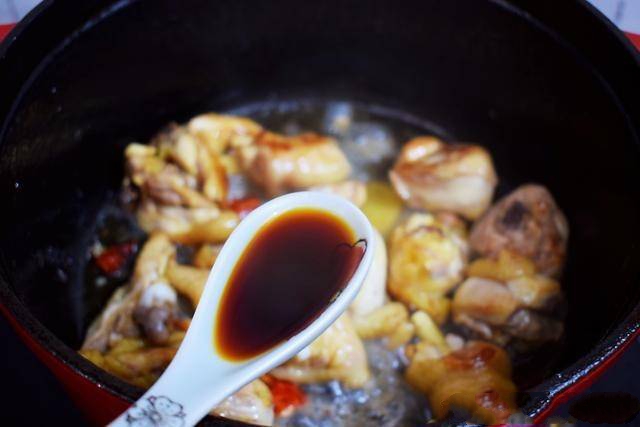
<point>551,88</point>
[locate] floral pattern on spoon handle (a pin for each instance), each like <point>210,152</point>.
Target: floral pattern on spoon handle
<point>156,411</point>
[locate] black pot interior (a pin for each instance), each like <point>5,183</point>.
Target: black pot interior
<point>558,110</point>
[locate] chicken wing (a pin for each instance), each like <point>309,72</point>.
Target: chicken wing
<point>428,255</point>
<point>337,354</point>
<point>177,168</point>
<point>527,222</point>
<point>117,319</point>
<point>220,132</point>
<point>182,177</point>
<point>435,176</point>
<point>158,180</point>
<point>279,163</point>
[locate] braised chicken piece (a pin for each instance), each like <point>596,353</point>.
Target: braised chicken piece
<point>536,292</point>
<point>337,354</point>
<point>133,360</point>
<point>279,163</point>
<point>177,171</point>
<point>353,191</point>
<point>183,178</point>
<point>138,332</point>
<point>427,258</point>
<point>479,304</point>
<point>475,378</point>
<point>527,222</point>
<point>188,281</point>
<point>432,175</point>
<point>190,152</point>
<point>505,299</point>
<point>381,322</point>
<point>188,225</point>
<point>163,182</point>
<point>251,404</point>
<point>147,288</point>
<point>505,266</point>
<point>489,310</point>
<point>221,132</point>
<point>206,255</point>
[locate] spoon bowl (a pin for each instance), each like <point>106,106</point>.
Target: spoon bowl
<point>199,377</point>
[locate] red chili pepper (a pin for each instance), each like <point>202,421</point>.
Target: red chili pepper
<point>286,395</point>
<point>114,257</point>
<point>243,206</point>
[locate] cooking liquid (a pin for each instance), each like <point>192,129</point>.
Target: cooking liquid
<point>292,269</point>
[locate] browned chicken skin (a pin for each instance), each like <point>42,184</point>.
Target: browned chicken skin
<point>279,163</point>
<point>475,378</point>
<point>527,222</point>
<point>183,177</point>
<point>435,176</point>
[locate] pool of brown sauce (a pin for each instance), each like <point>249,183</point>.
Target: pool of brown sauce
<point>293,268</point>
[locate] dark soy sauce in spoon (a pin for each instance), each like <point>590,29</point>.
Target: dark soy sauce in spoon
<point>293,268</point>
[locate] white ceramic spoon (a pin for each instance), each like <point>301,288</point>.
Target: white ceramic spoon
<point>198,378</point>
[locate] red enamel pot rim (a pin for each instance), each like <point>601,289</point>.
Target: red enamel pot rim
<point>544,398</point>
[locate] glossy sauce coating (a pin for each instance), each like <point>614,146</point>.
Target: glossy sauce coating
<point>292,269</point>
